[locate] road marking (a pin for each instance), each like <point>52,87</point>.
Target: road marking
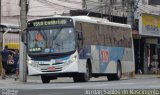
<point>95,85</point>
<point>127,83</point>
<point>70,87</point>
<point>110,84</point>
<point>154,86</point>
<point>82,86</point>
<point>103,85</point>
<point>52,94</point>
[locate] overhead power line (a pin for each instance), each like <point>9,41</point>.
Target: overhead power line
<point>51,4</point>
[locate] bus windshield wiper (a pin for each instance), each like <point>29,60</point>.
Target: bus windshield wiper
<point>57,33</point>
<point>58,44</point>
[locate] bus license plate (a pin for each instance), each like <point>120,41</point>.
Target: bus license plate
<point>51,68</point>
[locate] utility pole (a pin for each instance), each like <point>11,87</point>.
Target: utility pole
<point>23,57</point>
<point>130,20</point>
<point>110,10</point>
<point>130,12</point>
<point>84,5</point>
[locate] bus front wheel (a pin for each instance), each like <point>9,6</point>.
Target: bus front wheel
<point>45,79</point>
<point>83,77</point>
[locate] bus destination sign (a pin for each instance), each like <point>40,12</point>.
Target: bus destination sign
<point>50,22</point>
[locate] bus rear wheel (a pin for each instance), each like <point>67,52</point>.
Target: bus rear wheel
<point>118,74</point>
<point>83,77</point>
<point>45,79</point>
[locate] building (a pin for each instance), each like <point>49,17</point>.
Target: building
<point>147,37</point>
<point>111,7</point>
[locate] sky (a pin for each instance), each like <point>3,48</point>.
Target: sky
<point>37,8</point>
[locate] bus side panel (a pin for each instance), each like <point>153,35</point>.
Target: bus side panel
<point>110,56</point>
<point>95,59</point>
<point>125,55</point>
<point>84,54</point>
<point>104,58</point>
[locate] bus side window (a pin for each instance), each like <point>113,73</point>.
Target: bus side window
<point>80,35</point>
<point>80,38</point>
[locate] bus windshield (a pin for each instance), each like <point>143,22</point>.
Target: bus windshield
<point>51,41</point>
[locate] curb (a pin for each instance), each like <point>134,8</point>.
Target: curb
<point>137,76</point>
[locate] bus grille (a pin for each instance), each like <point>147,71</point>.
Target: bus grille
<point>52,64</point>
<point>52,71</point>
<point>57,63</point>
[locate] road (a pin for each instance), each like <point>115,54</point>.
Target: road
<point>68,87</point>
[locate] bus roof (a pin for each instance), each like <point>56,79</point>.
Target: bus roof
<point>99,21</point>
<point>89,19</point>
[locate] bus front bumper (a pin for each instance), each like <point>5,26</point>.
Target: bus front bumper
<point>75,67</point>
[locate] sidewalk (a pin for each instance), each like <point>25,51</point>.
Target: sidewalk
<point>37,79</point>
<point>141,76</point>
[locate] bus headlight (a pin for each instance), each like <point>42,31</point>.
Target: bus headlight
<point>33,63</point>
<point>29,61</point>
<point>72,59</point>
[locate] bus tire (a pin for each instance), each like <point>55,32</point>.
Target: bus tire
<point>83,77</point>
<point>118,74</point>
<point>45,79</point>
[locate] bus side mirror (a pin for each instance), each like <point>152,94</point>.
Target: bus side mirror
<point>80,35</point>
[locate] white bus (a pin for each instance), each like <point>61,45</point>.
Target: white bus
<point>80,47</point>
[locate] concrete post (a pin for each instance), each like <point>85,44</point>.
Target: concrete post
<point>23,56</point>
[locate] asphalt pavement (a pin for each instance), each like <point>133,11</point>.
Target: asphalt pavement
<point>65,86</point>
<point>36,79</point>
